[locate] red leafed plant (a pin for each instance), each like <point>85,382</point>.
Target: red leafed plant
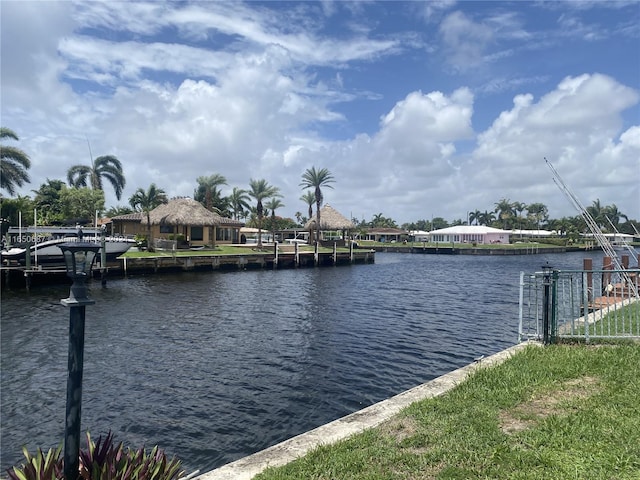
<point>102,460</point>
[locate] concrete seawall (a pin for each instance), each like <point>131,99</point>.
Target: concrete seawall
<point>369,417</point>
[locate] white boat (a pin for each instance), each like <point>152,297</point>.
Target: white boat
<point>43,243</point>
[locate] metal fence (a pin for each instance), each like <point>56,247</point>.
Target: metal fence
<point>586,304</point>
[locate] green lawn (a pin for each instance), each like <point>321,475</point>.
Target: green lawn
<point>560,412</point>
<point>616,321</point>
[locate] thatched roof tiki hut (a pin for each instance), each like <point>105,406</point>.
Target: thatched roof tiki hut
<point>330,221</point>
<point>189,223</point>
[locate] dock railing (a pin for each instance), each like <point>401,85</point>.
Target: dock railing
<point>581,304</point>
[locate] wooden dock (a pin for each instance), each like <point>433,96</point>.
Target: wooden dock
<point>19,276</point>
<point>244,261</point>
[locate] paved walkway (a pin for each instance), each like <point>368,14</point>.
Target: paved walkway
<point>372,416</point>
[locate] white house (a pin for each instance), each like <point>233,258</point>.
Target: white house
<point>533,233</point>
<point>469,234</point>
<point>419,235</point>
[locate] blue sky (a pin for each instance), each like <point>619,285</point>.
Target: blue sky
<point>419,109</point>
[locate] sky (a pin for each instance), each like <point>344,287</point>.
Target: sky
<point>418,109</point>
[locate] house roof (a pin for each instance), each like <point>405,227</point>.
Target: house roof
<point>468,229</point>
<point>131,217</point>
<point>330,219</point>
<point>186,211</point>
<point>533,233</point>
<point>386,231</point>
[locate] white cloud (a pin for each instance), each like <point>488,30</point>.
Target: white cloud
<point>464,40</point>
<point>264,101</point>
<point>575,126</point>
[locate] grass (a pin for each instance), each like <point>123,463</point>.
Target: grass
<point>618,320</point>
<point>560,412</point>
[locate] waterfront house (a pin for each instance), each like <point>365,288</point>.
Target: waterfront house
<point>383,234</point>
<point>189,223</point>
<point>419,236</point>
<point>478,234</point>
<point>532,234</point>
<point>334,227</point>
<point>129,224</point>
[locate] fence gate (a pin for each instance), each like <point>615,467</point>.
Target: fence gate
<point>587,304</point>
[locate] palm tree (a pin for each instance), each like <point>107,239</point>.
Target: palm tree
<point>519,207</point>
<point>504,210</point>
<point>613,214</point>
<point>260,189</point>
<point>315,179</point>
<point>486,218</point>
<point>15,163</point>
<point>597,212</point>
<point>207,192</point>
<point>147,201</point>
<point>272,205</point>
<point>239,202</point>
<point>309,198</point>
<point>106,166</point>
<point>538,212</point>
<point>475,216</point>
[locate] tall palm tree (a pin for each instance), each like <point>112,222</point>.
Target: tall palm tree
<point>614,215</point>
<point>259,190</point>
<point>597,212</point>
<point>146,201</point>
<point>518,208</point>
<point>207,192</point>
<point>239,202</point>
<point>272,205</point>
<point>309,198</point>
<point>14,165</point>
<point>316,179</point>
<point>106,166</point>
<point>504,210</point>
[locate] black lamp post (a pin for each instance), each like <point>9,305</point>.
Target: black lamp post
<point>78,257</point>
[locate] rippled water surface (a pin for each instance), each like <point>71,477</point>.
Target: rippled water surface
<point>215,366</point>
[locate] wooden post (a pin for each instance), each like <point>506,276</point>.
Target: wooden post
<point>625,261</point>
<point>103,259</point>
<point>315,254</point>
<point>275,253</point>
<point>350,250</point>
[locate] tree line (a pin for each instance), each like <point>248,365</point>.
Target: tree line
<point>509,215</point>
<point>82,195</point>
<point>79,198</point>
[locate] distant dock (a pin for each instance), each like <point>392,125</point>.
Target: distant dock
<point>19,276</point>
<point>462,249</point>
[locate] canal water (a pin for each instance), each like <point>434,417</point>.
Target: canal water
<point>215,366</point>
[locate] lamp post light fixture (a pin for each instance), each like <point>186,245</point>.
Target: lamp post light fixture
<point>78,257</point>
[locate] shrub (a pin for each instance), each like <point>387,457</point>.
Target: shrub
<point>141,241</point>
<point>39,466</point>
<point>103,460</point>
